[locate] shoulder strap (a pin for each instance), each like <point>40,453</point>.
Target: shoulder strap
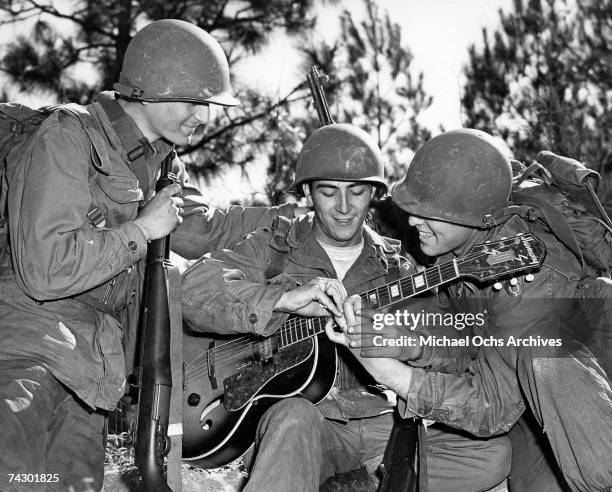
<point>99,153</point>
<point>134,147</point>
<point>555,219</point>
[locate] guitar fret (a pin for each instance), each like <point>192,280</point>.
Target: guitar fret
<point>419,282</point>
<point>384,296</point>
<point>433,276</point>
<point>395,289</point>
<point>447,272</point>
<point>407,288</point>
<point>371,296</point>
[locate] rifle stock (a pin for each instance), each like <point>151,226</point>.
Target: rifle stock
<point>152,442</point>
<point>315,82</point>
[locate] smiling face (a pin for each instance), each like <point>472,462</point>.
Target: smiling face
<point>437,237</point>
<point>340,209</point>
<point>174,121</point>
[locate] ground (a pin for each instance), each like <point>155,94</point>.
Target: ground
<point>120,475</point>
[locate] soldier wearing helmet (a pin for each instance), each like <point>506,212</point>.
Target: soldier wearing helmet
<point>554,403</point>
<point>80,216</point>
<point>308,266</point>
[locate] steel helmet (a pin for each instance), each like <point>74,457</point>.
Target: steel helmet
<point>340,152</point>
<point>174,60</point>
<point>461,176</point>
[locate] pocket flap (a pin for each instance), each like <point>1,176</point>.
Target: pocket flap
<point>120,189</point>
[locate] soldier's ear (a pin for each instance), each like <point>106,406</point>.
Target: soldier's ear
<point>307,194</point>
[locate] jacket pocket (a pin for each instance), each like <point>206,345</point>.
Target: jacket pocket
<point>120,189</point>
<point>117,197</point>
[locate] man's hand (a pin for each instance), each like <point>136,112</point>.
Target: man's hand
<point>319,297</point>
<point>390,341</point>
<point>162,214</point>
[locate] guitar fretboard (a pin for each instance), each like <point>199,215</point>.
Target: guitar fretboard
<point>297,329</point>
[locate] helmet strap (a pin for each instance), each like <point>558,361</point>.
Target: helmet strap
<point>128,91</point>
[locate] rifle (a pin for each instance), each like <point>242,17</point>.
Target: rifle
<point>400,466</point>
<point>315,82</point>
<point>152,442</point>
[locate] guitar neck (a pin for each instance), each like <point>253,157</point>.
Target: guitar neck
<point>488,261</point>
<point>299,328</point>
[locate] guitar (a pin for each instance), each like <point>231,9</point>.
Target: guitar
<point>230,384</point>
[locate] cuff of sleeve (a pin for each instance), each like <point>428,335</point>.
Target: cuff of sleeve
<point>421,396</point>
<point>424,357</point>
<point>260,316</point>
<point>133,240</point>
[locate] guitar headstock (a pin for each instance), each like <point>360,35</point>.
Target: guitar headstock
<point>495,259</point>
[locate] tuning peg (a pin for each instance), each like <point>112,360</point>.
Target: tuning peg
<point>513,281</point>
<point>520,234</point>
<point>529,277</point>
<point>497,286</point>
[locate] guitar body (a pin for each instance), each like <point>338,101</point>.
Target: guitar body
<point>221,413</point>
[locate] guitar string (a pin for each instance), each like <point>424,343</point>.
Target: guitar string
<point>250,348</point>
<point>226,357</point>
<point>237,343</point>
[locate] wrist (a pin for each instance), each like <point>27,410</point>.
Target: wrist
<point>412,352</point>
<point>142,229</point>
<point>279,305</point>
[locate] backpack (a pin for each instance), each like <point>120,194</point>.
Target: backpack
<point>17,124</point>
<point>557,194</point>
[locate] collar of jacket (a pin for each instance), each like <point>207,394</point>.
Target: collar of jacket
<point>305,250</point>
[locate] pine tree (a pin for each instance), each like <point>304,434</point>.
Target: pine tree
<point>381,94</point>
<point>544,81</point>
<point>371,85</point>
<point>51,60</point>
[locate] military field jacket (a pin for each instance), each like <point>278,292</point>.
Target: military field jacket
<point>477,388</point>
<point>59,254</point>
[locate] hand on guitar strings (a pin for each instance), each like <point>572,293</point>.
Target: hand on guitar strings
<point>319,297</point>
<point>367,336</point>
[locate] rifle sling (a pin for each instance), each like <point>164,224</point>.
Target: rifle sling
<point>175,417</point>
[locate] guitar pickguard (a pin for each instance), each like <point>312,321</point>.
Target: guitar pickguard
<point>240,387</point>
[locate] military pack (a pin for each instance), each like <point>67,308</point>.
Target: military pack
<point>558,194</point>
<point>17,124</point>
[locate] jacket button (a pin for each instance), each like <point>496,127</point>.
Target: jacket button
<point>132,246</point>
<point>252,318</point>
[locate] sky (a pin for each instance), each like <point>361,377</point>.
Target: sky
<point>438,33</point>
